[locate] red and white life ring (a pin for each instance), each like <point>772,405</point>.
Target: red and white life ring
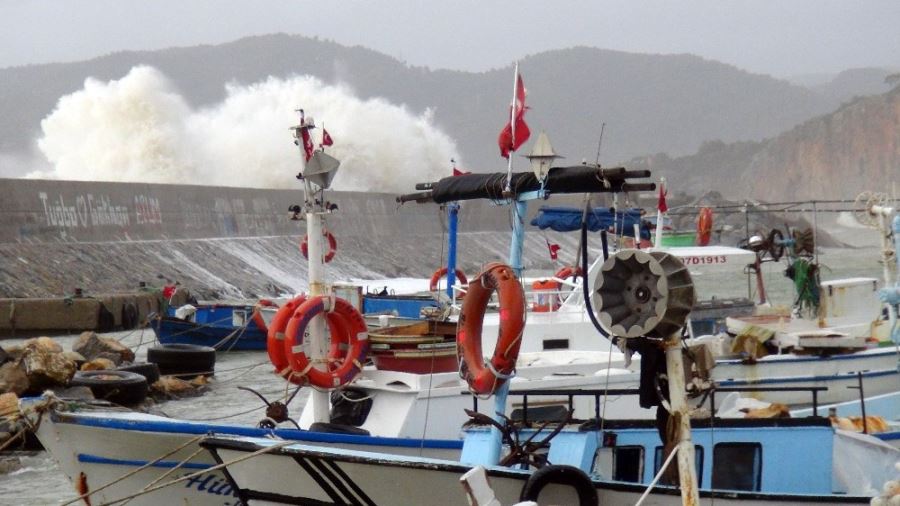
<point>275,334</point>
<point>332,246</point>
<point>440,273</point>
<point>485,377</point>
<point>348,329</point>
<point>704,226</point>
<point>568,272</point>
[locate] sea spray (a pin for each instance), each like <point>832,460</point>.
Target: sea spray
<point>140,129</point>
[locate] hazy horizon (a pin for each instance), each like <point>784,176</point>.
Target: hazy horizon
<point>801,39</point>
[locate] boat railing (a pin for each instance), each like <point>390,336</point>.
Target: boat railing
<point>597,393</point>
<point>539,300</point>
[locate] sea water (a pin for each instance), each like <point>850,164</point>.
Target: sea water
<point>39,481</point>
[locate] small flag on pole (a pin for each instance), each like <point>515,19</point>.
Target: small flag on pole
<point>326,139</point>
<point>661,204</point>
<point>554,249</point>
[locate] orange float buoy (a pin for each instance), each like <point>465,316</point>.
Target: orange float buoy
<point>484,378</point>
<point>568,272</point>
<point>704,226</point>
<point>348,329</point>
<point>332,246</point>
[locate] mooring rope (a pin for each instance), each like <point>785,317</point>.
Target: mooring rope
<point>191,476</point>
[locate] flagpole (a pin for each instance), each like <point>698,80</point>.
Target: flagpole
<point>512,125</point>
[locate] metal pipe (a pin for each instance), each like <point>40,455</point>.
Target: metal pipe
<point>453,214</point>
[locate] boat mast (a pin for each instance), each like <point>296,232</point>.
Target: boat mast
<point>314,226</point>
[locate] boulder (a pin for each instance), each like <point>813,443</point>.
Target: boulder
<point>9,405</point>
<point>91,346</point>
<point>13,378</point>
<point>170,387</point>
<point>45,344</point>
<point>46,368</point>
<point>74,356</point>
<point>98,364</point>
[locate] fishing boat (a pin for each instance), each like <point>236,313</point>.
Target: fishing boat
<point>802,461</point>
<point>225,327</point>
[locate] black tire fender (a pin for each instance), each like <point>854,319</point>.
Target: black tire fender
<point>562,475</point>
<point>119,387</point>
<point>183,359</point>
<point>145,369</point>
<point>129,316</point>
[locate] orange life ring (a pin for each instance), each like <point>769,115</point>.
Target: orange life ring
<point>568,272</point>
<point>704,226</point>
<point>349,329</point>
<point>332,246</point>
<point>440,273</point>
<point>275,333</point>
<point>484,377</point>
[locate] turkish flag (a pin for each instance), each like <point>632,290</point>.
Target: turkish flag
<point>554,250</point>
<point>506,140</point>
<point>326,139</point>
<point>457,172</point>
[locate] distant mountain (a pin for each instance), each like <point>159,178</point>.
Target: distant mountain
<point>854,83</point>
<point>854,149</point>
<point>650,103</point>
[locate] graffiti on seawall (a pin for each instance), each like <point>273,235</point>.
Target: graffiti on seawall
<point>87,210</point>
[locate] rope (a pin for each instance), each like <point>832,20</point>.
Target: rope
<point>169,472</point>
<point>200,473</point>
<point>656,478</point>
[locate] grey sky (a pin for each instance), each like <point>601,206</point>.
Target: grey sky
<point>781,38</point>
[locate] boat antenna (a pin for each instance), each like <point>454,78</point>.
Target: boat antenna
<point>600,143</point>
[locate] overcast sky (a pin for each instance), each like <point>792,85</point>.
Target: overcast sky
<point>777,37</point>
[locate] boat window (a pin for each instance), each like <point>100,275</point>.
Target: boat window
<point>238,318</point>
<point>698,462</point>
<point>737,466</point>
<point>628,463</point>
<point>556,344</point>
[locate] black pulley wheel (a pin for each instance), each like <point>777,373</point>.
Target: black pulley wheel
<point>186,360</point>
<point>561,475</point>
<point>145,369</point>
<point>119,387</point>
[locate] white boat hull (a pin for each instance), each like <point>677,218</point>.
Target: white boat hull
<point>300,474</point>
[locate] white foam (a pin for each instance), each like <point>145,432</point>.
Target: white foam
<point>140,129</point>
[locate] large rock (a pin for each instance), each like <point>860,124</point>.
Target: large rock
<point>45,344</point>
<point>92,346</point>
<point>13,378</point>
<point>9,405</point>
<point>45,367</point>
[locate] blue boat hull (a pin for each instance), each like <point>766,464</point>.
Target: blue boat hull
<point>213,327</point>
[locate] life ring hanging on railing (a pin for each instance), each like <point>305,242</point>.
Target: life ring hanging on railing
<point>350,329</point>
<point>568,272</point>
<point>485,377</point>
<point>440,273</point>
<point>332,246</point>
<point>704,226</point>
<point>275,334</point>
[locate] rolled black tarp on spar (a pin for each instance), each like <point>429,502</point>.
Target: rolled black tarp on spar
<point>577,179</point>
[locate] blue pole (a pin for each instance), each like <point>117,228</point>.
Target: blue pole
<point>515,261</point>
<point>453,214</point>
<point>518,239</point>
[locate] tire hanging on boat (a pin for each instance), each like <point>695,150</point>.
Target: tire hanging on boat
<point>704,226</point>
<point>275,333</point>
<point>179,359</point>
<point>351,331</point>
<point>332,246</point>
<point>562,475</point>
<point>440,273</point>
<point>484,377</point>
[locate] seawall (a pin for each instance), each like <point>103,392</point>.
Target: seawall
<point>228,242</point>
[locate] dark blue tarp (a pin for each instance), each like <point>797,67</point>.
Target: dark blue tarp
<point>568,219</point>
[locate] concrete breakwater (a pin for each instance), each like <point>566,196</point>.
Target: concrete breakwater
<point>228,242</point>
